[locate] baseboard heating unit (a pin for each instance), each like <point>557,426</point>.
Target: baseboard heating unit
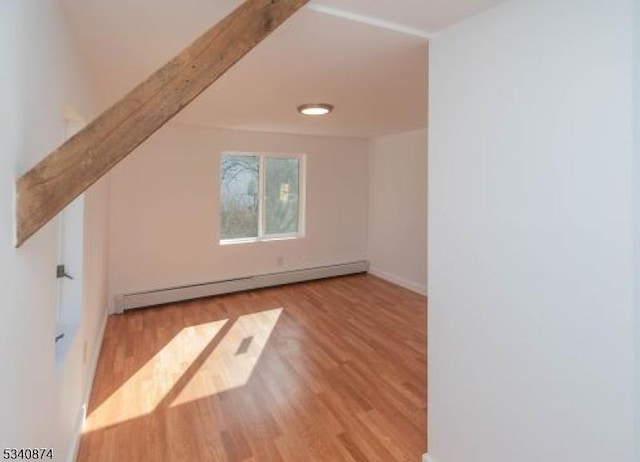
<point>177,294</point>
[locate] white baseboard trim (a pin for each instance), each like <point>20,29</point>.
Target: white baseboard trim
<point>427,458</point>
<point>412,286</point>
<point>73,452</point>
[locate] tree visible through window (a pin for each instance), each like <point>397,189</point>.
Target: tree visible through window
<point>260,196</point>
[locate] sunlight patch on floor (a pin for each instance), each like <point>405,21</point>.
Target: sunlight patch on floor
<point>144,391</point>
<point>232,362</point>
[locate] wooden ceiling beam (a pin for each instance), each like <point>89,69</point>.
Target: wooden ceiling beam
<point>68,171</point>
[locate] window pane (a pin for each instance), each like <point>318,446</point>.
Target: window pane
<point>281,196</point>
<point>239,196</point>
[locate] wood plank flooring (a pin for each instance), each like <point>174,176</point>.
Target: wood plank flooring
<point>331,370</point>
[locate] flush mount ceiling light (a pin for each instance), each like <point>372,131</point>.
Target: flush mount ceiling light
<point>315,109</point>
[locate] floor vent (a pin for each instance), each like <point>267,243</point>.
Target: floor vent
<point>176,294</point>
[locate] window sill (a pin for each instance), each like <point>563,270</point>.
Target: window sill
<point>253,240</point>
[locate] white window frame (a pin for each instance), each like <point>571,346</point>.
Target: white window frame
<point>302,198</point>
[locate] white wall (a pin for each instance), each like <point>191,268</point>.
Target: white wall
<point>530,220</point>
<point>165,199</point>
<point>398,209</point>
<point>636,233</point>
<point>96,254</point>
<point>41,74</point>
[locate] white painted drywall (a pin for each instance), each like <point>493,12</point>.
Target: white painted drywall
<point>398,209</point>
<point>636,232</point>
<point>165,200</point>
<point>41,74</point>
<point>530,226</point>
<point>96,256</point>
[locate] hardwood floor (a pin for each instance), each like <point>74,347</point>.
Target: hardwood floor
<point>331,370</point>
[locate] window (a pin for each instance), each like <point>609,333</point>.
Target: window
<point>261,197</point>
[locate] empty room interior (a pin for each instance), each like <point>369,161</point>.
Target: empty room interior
<point>222,222</point>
